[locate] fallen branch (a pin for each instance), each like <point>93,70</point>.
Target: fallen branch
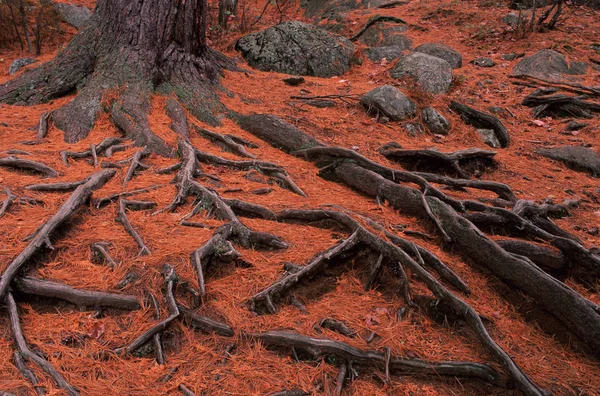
<point>111,198</point>
<point>99,248</point>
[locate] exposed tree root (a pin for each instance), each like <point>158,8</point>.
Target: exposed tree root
<point>337,326</point>
<point>27,373</point>
<point>136,164</point>
<point>42,237</point>
<point>94,151</point>
<point>319,348</point>
<point>227,141</point>
<point>544,257</point>
<point>8,201</point>
<point>341,379</point>
<point>28,165</point>
<point>28,354</point>
<point>546,104</point>
<point>575,312</point>
<point>100,254</point>
<point>80,298</point>
<point>170,280</point>
<point>124,220</point>
<point>203,323</point>
<point>158,349</point>
<point>480,119</point>
<point>56,187</point>
<point>455,162</point>
<point>42,130</point>
<point>185,390</point>
<point>267,297</point>
<point>111,198</point>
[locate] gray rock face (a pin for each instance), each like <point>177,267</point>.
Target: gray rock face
<point>484,62</point>
<point>489,137</point>
<point>432,74</point>
<point>72,14</point>
<point>434,121</point>
<point>297,48</point>
<point>547,64</point>
<point>442,51</point>
<point>376,54</point>
<point>20,63</point>
<point>390,102</point>
<point>512,20</point>
<point>386,34</point>
<point>575,157</point>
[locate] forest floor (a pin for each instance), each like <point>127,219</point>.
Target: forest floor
<point>208,364</point>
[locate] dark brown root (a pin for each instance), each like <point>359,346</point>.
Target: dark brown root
<point>546,104</point>
<point>460,162</point>
<point>338,326</point>
<point>27,373</point>
<point>203,323</point>
<point>319,348</point>
<point>170,279</point>
<point>179,122</point>
<point>341,379</point>
<point>226,141</point>
<point>99,149</point>
<point>42,237</point>
<point>8,201</point>
<point>100,254</point>
<point>158,348</point>
<point>42,130</point>
<point>266,298</point>
<point>546,258</point>
<point>80,298</point>
<point>99,203</point>
<point>135,164</point>
<point>28,165</point>
<point>124,220</point>
<point>28,354</point>
<point>57,187</point>
<point>573,310</point>
<point>480,119</point>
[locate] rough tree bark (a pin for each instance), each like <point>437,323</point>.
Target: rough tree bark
<point>126,52</point>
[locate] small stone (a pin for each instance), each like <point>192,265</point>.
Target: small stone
<point>576,126</point>
<point>413,129</point>
<point>320,103</point>
<point>593,231</point>
<point>434,121</point>
<point>262,191</point>
<point>442,51</point>
<point>484,62</point>
<point>294,81</point>
<point>497,110</point>
<point>489,137</point>
<point>389,145</point>
<point>389,102</point>
<point>433,74</point>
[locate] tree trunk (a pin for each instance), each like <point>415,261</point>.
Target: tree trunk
<point>139,48</point>
<point>24,23</point>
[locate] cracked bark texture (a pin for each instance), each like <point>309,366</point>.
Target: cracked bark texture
<point>128,51</point>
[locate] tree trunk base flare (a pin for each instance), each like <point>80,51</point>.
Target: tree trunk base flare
<point>114,68</point>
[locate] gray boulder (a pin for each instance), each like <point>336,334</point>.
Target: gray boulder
<point>512,20</point>
<point>20,63</point>
<point>432,74</point>
<point>297,48</point>
<point>385,34</point>
<point>390,102</point>
<point>489,137</point>
<point>376,54</point>
<point>434,121</point>
<point>72,14</point>
<point>442,51</point>
<point>575,157</point>
<point>547,64</point>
